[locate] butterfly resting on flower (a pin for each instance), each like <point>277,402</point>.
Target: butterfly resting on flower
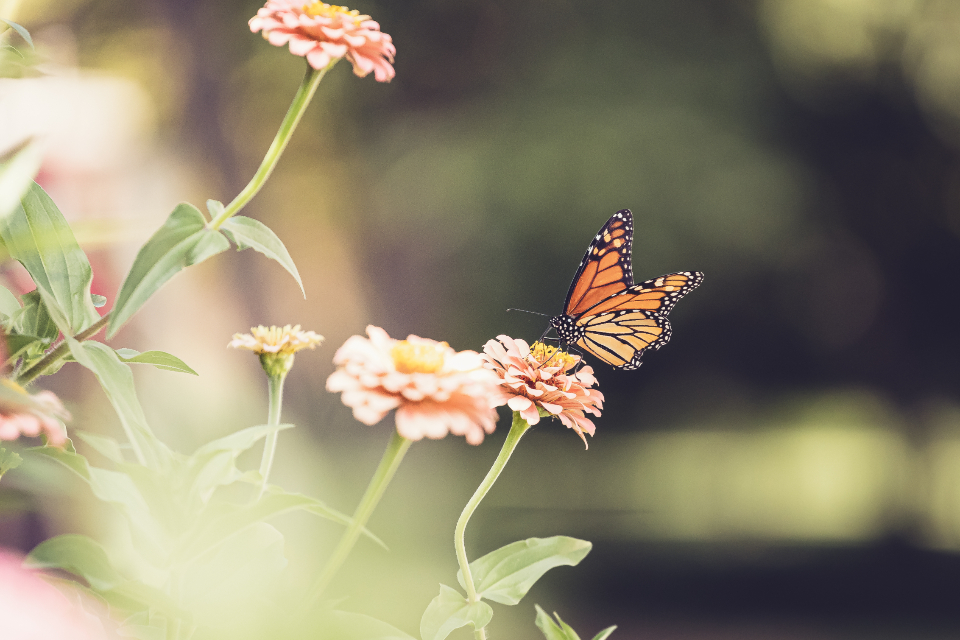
<point>609,316</point>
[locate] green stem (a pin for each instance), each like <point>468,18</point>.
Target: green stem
<point>517,429</point>
<point>297,108</point>
<point>275,385</point>
<point>60,351</point>
<point>392,457</point>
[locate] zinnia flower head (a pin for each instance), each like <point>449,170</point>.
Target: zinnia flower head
<point>323,33</point>
<point>276,345</point>
<point>540,378</point>
<point>434,389</point>
<point>22,414</point>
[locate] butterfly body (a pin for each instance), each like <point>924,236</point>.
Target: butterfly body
<point>609,316</point>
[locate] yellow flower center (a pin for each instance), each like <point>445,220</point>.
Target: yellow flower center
<point>409,357</point>
<point>543,354</point>
<point>331,11</point>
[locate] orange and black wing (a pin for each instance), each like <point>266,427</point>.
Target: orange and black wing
<point>605,268</point>
<point>621,327</point>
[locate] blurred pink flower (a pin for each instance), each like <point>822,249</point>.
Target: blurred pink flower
<point>539,378</point>
<point>434,389</point>
<point>31,415</point>
<point>33,609</point>
<point>324,32</point>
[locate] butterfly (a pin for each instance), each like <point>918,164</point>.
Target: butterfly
<point>605,314</point>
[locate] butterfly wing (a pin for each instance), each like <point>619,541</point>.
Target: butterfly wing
<point>619,328</point>
<point>605,269</point>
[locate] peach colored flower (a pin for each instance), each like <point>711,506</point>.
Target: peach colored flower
<point>31,608</point>
<point>434,389</point>
<point>540,378</point>
<point>323,33</point>
<point>31,415</point>
<point>287,339</point>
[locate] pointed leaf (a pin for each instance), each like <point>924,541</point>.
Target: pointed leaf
<point>34,319</point>
<point>182,241</point>
<point>603,635</point>
<point>450,611</point>
<point>21,30</point>
<point>551,630</point>
<point>37,235</point>
<point>505,575</point>
<point>250,233</point>
<point>215,207</point>
<point>344,625</point>
<point>79,555</point>
<point>117,382</point>
<point>17,170</point>
<point>67,456</point>
<point>107,447</point>
<point>214,463</point>
<point>9,304</point>
<point>159,359</point>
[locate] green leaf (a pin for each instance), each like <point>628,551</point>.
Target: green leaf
<point>18,167</point>
<point>551,630</point>
<point>344,625</point>
<point>215,207</point>
<point>107,447</point>
<point>9,460</point>
<point>98,300</point>
<point>182,241</point>
<point>250,233</point>
<point>34,319</point>
<point>214,528</point>
<point>9,304</point>
<point>79,555</point>
<point>37,235</point>
<point>67,456</point>
<point>142,632</point>
<point>21,30</point>
<point>159,359</point>
<point>117,382</point>
<point>29,347</point>
<point>505,575</point>
<point>603,635</point>
<point>450,611</point>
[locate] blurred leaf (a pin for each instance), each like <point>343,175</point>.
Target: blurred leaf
<point>344,625</point>
<point>142,632</point>
<point>107,447</point>
<point>79,555</point>
<point>159,359</point>
<point>17,170</point>
<point>218,526</point>
<point>228,585</point>
<point>33,319</point>
<point>450,611</point>
<point>182,241</point>
<point>8,303</point>
<point>214,463</point>
<point>215,207</point>
<point>603,635</point>
<point>37,235</point>
<point>31,348</point>
<point>9,460</point>
<point>250,233</point>
<point>117,382</point>
<point>505,575</point>
<point>67,456</point>
<point>21,30</point>
<point>551,630</point>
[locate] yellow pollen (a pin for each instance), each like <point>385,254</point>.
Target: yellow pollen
<point>330,11</point>
<point>418,358</point>
<point>542,354</point>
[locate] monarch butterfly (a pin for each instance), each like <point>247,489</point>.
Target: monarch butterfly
<point>605,314</point>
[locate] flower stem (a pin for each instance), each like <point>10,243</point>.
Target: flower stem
<point>392,457</point>
<point>60,351</point>
<point>275,384</point>
<point>297,108</point>
<point>517,429</point>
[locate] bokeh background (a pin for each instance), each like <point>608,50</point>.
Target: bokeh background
<point>787,467</point>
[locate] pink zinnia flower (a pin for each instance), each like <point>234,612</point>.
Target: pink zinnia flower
<point>540,378</point>
<point>31,415</point>
<point>31,608</point>
<point>434,389</point>
<point>323,33</point>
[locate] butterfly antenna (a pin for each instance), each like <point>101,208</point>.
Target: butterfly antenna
<point>537,313</point>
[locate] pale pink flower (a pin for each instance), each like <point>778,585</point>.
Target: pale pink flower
<point>32,609</point>
<point>541,378</point>
<point>323,33</point>
<point>31,415</point>
<point>273,339</point>
<point>434,389</point>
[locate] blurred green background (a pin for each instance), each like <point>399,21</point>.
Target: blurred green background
<point>787,467</point>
